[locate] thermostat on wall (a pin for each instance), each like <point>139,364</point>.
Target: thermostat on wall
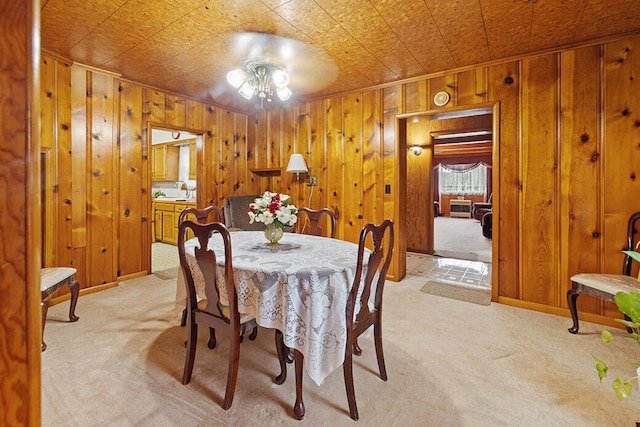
<point>441,98</point>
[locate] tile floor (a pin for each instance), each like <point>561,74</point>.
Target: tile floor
<point>447,270</point>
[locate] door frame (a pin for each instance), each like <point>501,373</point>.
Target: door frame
<point>456,112</point>
<point>199,134</point>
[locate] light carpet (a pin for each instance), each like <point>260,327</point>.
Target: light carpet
<point>450,363</point>
<point>460,238</point>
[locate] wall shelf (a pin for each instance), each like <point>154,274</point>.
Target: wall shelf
<point>266,171</point>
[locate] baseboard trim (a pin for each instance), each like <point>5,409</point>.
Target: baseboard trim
<point>559,311</point>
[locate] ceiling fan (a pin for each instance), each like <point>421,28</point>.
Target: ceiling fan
<point>266,67</point>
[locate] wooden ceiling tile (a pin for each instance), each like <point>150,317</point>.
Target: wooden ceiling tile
<point>66,22</point>
<point>370,30</point>
<point>313,21</point>
<point>508,26</point>
<point>351,52</point>
<point>461,24</point>
<point>554,23</point>
<point>415,27</point>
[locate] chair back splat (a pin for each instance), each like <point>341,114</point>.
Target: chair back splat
<point>220,309</point>
<point>309,221</point>
<point>202,215</point>
<point>359,314</point>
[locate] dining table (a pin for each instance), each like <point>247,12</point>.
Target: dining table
<point>298,287</point>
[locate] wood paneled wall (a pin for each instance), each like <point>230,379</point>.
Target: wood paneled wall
<point>567,149</point>
<point>94,137</point>
<point>567,145</point>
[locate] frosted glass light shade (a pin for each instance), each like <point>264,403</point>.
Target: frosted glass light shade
<point>236,77</point>
<point>247,90</point>
<point>280,78</point>
<point>284,93</point>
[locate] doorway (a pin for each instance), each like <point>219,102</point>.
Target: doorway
<point>174,158</point>
<point>431,138</point>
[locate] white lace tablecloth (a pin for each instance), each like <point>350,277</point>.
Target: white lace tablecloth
<point>299,287</point>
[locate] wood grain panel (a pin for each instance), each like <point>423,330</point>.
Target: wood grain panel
<point>372,172</point>
<point>621,153</point>
<point>335,163</point>
<point>48,103</point>
<point>394,166</point>
<point>154,106</point>
<point>416,96</point>
<point>581,165</point>
<point>80,137</point>
<point>352,161</point>
<point>471,87</point>
<point>317,150</point>
<point>101,199</point>
<point>20,260</point>
<point>539,168</point>
<point>302,141</point>
<point>504,85</point>
<point>195,114</point>
<point>208,183</point>
<point>131,221</point>
<point>64,148</point>
<point>240,152</point>
<point>175,108</point>
<point>227,183</point>
<point>418,181</point>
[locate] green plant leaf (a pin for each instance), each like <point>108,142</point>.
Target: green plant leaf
<point>622,388</point>
<point>634,255</point>
<point>601,367</point>
<point>606,336</point>
<point>629,304</point>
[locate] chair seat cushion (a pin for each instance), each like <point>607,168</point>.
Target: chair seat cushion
<point>51,276</point>
<point>609,283</point>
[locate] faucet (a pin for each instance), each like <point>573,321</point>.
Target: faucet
<point>187,195</point>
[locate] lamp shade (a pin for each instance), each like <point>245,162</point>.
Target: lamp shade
<point>297,164</point>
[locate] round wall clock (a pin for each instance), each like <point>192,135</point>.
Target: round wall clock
<point>441,98</point>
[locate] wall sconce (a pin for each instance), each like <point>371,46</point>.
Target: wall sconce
<point>297,165</point>
<point>417,150</point>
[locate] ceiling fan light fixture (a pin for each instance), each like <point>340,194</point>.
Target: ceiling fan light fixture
<point>236,77</point>
<point>259,78</point>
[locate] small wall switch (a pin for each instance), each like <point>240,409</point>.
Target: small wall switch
<point>313,180</point>
<point>387,189</point>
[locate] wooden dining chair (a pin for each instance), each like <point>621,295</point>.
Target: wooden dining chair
<point>360,315</point>
<point>202,216</point>
<point>220,315</point>
<point>309,221</point>
<point>602,285</point>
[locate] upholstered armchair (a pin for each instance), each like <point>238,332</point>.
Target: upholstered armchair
<point>235,213</point>
<point>478,209</point>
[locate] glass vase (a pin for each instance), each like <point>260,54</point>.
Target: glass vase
<point>273,233</point>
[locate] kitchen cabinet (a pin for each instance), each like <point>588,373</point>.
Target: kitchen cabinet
<point>166,215</point>
<point>165,158</point>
